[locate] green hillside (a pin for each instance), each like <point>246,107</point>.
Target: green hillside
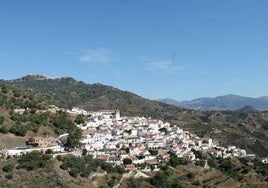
<point>40,170</point>
<point>67,93</point>
<point>246,129</point>
<point>24,115</point>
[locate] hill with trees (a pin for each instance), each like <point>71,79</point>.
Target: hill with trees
<point>25,113</point>
<point>246,129</point>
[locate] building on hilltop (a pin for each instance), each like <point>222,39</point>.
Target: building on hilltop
<point>111,114</point>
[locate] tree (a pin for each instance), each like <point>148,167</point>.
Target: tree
<point>176,161</point>
<point>153,152</point>
<point>8,168</point>
<point>164,129</point>
<point>34,160</point>
<point>198,154</point>
<point>73,139</point>
<point>84,151</point>
<point>212,163</point>
<point>5,89</point>
<point>4,129</point>
<point>1,120</point>
<point>49,151</point>
<point>160,180</point>
<point>190,175</point>
<point>127,161</point>
<point>18,130</point>
<point>79,119</point>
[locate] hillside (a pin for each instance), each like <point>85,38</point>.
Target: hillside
<point>24,115</point>
<point>246,129</point>
<point>227,102</point>
<point>67,92</point>
<point>40,170</point>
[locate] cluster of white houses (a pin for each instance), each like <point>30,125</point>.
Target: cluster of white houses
<point>110,137</point>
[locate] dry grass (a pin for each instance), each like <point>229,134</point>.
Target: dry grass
<point>11,141</point>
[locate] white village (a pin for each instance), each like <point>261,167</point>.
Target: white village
<point>146,142</point>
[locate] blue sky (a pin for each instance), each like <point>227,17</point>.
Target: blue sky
<point>180,49</point>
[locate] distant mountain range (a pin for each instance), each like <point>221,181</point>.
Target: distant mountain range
<point>226,102</point>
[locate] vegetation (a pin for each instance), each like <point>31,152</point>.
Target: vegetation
<point>8,168</point>
<point>244,129</point>
<point>34,160</point>
<point>198,154</point>
<point>176,161</point>
<point>1,120</point>
<point>166,178</point>
<point>226,172</point>
<point>32,117</point>
<point>73,140</point>
<point>85,165</point>
<point>79,119</point>
<point>153,152</point>
<point>127,161</point>
<point>240,128</point>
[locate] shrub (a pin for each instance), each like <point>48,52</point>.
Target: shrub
<point>153,152</point>
<point>79,119</point>
<point>49,151</point>
<point>84,152</point>
<point>18,130</point>
<point>127,161</point>
<point>84,165</point>
<point>9,176</point>
<point>34,160</point>
<point>197,183</point>
<point>8,168</point>
<point>4,129</point>
<point>74,172</point>
<point>175,161</point>
<point>190,175</point>
<point>1,120</point>
<point>166,179</point>
<point>64,166</point>
<point>59,157</point>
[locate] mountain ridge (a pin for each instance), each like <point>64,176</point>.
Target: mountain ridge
<point>68,92</point>
<point>224,102</point>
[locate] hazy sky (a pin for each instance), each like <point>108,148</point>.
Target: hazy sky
<point>181,49</point>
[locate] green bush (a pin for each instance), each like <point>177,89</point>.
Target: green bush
<point>2,119</point>
<point>4,129</point>
<point>84,152</point>
<point>49,151</point>
<point>79,119</point>
<point>127,161</point>
<point>198,154</point>
<point>84,165</point>
<point>34,160</point>
<point>190,175</point>
<point>64,166</point>
<point>73,173</point>
<point>18,130</point>
<point>59,157</point>
<point>167,179</point>
<point>176,161</point>
<point>8,168</point>
<point>153,152</point>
